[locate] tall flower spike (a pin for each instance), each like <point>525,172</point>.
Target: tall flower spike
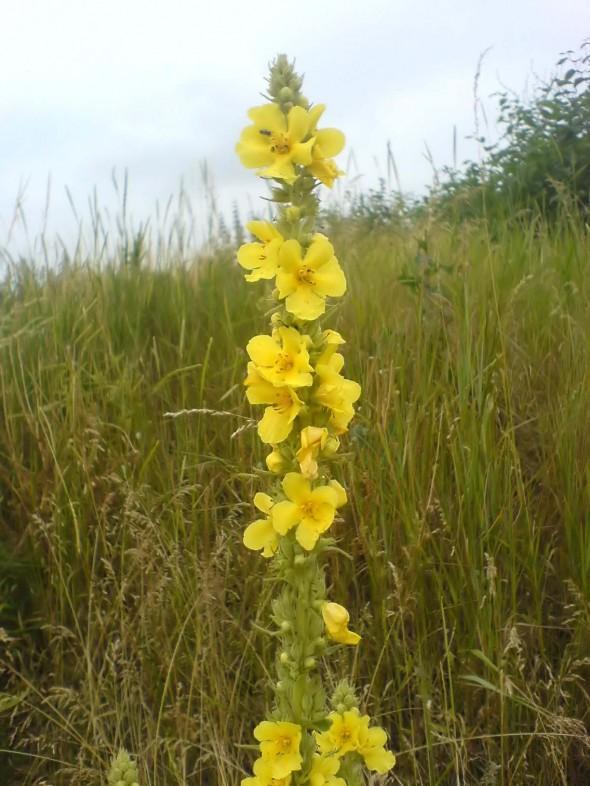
<point>294,372</point>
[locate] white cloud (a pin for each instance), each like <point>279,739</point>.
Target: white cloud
<point>159,87</point>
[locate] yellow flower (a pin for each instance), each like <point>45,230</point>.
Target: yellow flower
<point>343,734</point>
<point>349,731</point>
<point>279,746</point>
<point>261,258</point>
<point>282,358</point>
<point>277,421</point>
<point>260,534</point>
<point>306,281</point>
<point>311,510</point>
<point>328,143</point>
<point>336,393</point>
<point>263,776</point>
<point>313,441</point>
<point>336,619</point>
<point>274,143</point>
<point>372,748</point>
<point>325,170</point>
<point>323,772</point>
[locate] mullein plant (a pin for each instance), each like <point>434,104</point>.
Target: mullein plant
<point>295,374</point>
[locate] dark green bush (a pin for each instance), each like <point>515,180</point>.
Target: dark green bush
<point>541,156</point>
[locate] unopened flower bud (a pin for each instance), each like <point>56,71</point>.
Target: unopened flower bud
<point>293,213</point>
<point>331,446</point>
<point>341,708</point>
<point>299,560</point>
<point>285,626</point>
<point>285,93</point>
<point>284,657</point>
<point>275,461</point>
<point>350,700</point>
<point>309,663</point>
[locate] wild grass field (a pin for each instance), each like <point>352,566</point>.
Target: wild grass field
<point>131,613</point>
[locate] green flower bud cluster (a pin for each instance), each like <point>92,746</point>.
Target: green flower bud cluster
<point>344,697</point>
<point>284,84</point>
<point>123,771</point>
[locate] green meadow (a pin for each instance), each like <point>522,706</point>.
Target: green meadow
<point>132,615</point>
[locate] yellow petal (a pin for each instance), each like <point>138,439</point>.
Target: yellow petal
<point>323,516</point>
<point>264,231</point>
<point>285,515</point>
<point>328,142</point>
<point>263,502</point>
<point>350,637</point>
<point>253,149</point>
<point>379,760</point>
<point>319,253</point>
<point>274,427</point>
<point>326,170</point>
<point>286,282</point>
<point>264,731</point>
<point>258,389</point>
<point>333,337</point>
<point>307,463</point>
<point>302,152</point>
<point>281,168</point>
<point>296,487</point>
<point>264,393</point>
<point>305,304</point>
<point>290,256</point>
<point>260,535</point>
<point>341,498</point>
<point>330,279</point>
<point>313,435</point>
<point>307,536</point>
<point>375,737</point>
<point>351,390</point>
<point>335,615</point>
<point>262,350</point>
<point>324,495</point>
<point>297,123</point>
<point>249,255</point>
<point>336,362</point>
<point>294,343</point>
<point>336,619</point>
<point>314,115</point>
<point>268,117</point>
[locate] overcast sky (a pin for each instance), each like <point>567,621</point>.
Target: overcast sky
<point>157,88</point>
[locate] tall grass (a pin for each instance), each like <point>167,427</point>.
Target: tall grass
<point>128,599</point>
